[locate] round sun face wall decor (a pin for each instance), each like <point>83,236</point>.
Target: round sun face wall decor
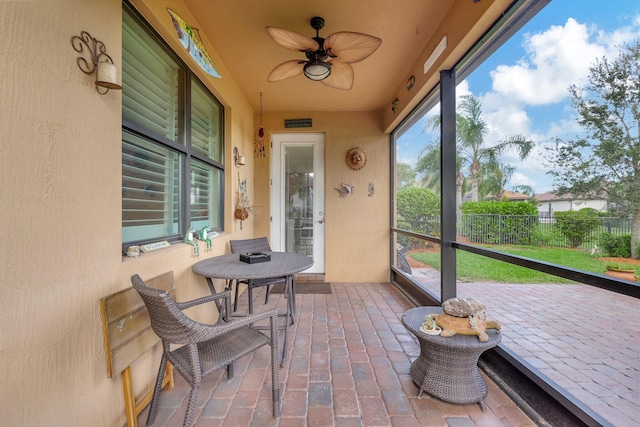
<point>356,158</point>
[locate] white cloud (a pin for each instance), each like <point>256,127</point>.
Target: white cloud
<point>530,97</point>
<point>521,179</point>
<point>556,58</point>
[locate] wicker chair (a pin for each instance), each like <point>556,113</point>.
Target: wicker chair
<point>205,348</point>
<point>259,244</point>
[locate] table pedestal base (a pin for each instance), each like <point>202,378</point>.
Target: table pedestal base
<point>447,367</point>
<point>449,374</point>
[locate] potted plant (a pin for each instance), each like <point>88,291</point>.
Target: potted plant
<point>621,271</point>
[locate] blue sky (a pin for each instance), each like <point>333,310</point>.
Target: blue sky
<point>523,86</point>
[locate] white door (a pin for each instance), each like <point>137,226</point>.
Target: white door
<point>297,195</point>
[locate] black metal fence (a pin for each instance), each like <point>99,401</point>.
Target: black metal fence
<point>519,229</point>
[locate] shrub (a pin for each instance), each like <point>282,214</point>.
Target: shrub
<point>500,222</point>
<point>615,246</point>
<point>576,226</point>
<point>417,207</point>
<point>546,237</point>
<point>417,203</point>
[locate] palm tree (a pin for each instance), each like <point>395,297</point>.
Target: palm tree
<point>483,163</point>
<point>494,179</point>
<point>428,166</point>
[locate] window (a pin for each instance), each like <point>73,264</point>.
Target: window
<point>172,142</point>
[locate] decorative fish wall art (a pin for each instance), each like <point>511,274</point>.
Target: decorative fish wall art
<point>192,44</point>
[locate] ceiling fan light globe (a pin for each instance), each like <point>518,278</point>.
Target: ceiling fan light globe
<point>317,70</point>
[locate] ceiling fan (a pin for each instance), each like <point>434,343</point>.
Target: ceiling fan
<point>328,60</point>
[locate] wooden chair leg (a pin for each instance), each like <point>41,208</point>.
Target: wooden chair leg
<point>129,398</point>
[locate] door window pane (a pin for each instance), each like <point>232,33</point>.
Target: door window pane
<point>298,163</point>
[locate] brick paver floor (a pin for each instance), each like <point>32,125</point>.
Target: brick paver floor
<point>348,365</point>
<point>585,339</point>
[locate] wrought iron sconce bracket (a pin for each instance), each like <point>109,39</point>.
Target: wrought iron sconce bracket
<point>98,61</point>
<point>237,158</point>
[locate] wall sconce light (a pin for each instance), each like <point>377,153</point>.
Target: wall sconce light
<point>237,158</point>
<point>99,62</point>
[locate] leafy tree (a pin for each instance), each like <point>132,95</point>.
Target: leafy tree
<point>405,175</point>
<point>416,206</point>
<point>605,163</point>
<point>417,203</point>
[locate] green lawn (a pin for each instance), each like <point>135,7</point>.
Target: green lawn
<point>473,268</point>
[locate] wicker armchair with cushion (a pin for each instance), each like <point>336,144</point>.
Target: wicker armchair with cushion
<point>205,348</point>
<point>258,244</point>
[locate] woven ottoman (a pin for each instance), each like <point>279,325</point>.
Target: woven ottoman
<point>447,367</point>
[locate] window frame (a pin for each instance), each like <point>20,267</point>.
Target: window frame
<point>182,145</point>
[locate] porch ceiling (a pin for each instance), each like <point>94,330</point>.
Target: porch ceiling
<point>409,30</point>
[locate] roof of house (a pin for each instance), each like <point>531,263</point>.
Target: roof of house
<point>511,196</point>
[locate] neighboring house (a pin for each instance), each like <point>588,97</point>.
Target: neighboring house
<point>510,196</point>
<point>549,202</point>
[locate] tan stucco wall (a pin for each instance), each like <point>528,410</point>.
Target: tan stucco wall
<point>356,226</point>
<point>60,181</point>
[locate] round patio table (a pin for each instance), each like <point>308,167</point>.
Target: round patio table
<point>281,264</point>
<point>447,367</point>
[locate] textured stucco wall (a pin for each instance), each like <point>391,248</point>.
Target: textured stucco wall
<point>356,226</point>
<point>60,217</point>
<point>60,189</point>
<point>60,223</point>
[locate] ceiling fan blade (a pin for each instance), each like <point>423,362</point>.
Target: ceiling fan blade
<point>291,40</point>
<point>341,76</point>
<point>350,47</point>
<point>286,70</point>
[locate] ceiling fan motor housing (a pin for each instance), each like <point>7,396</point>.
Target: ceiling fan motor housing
<point>317,23</point>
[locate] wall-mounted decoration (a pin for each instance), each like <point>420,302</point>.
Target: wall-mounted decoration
<point>259,145</point>
<point>238,159</point>
<point>371,189</point>
<point>297,123</point>
<point>99,62</point>
<point>394,105</point>
<point>193,44</point>
<point>356,158</point>
<point>243,206</point>
<point>345,189</point>
<point>411,82</point>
